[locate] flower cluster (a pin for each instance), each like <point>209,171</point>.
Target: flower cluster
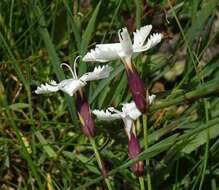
<point>124,50</point>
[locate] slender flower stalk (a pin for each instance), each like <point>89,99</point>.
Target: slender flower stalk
<point>148,175</point>
<point>128,114</point>
<point>141,181</point>
<point>73,86</point>
<point>126,50</point>
<point>100,163</point>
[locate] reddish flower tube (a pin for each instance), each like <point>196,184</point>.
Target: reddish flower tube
<point>84,114</point>
<point>137,88</point>
<point>134,150</point>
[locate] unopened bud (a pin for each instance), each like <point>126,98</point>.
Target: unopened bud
<point>138,168</point>
<point>134,150</point>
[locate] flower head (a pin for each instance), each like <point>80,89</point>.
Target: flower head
<point>70,86</point>
<point>128,114</point>
<point>74,86</point>
<point>125,49</point>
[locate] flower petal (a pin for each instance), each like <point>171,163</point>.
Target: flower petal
<point>131,110</point>
<point>106,115</point>
<point>52,86</point>
<point>125,42</point>
<point>128,122</point>
<point>141,35</point>
<point>115,46</point>
<point>104,53</point>
<point>98,73</point>
<point>153,40</point>
<point>152,98</point>
<point>70,86</point>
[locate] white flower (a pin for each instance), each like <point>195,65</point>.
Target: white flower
<point>70,86</point>
<point>128,114</point>
<point>125,49</point>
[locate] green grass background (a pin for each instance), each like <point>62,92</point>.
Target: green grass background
<point>41,144</point>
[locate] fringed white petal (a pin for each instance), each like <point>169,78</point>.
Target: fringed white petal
<point>140,36</point>
<point>52,86</point>
<point>114,46</point>
<point>125,49</point>
<point>125,42</point>
<point>114,50</point>
<point>153,40</point>
<point>106,115</point>
<point>103,53</point>
<point>152,98</point>
<point>70,86</point>
<point>130,110</point>
<point>98,73</point>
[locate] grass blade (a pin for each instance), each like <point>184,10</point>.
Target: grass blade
<point>198,24</point>
<point>86,37</point>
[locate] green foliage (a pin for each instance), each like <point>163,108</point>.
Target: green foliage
<point>40,135</point>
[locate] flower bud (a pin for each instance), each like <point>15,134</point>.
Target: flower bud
<point>138,168</point>
<point>84,114</point>
<point>136,85</point>
<point>134,150</point>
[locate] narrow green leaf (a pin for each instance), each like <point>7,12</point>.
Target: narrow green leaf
<point>202,91</point>
<point>103,96</point>
<point>201,138</point>
<point>47,148</point>
<point>18,106</point>
<point>138,7</point>
<point>86,37</point>
<point>194,4</point>
<point>119,90</point>
<point>199,23</point>
<point>74,26</point>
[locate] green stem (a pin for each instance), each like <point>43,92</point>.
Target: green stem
<point>100,164</point>
<point>205,162</point>
<point>145,131</point>
<point>146,147</point>
<point>141,181</point>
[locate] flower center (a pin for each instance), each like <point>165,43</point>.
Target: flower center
<point>73,72</point>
